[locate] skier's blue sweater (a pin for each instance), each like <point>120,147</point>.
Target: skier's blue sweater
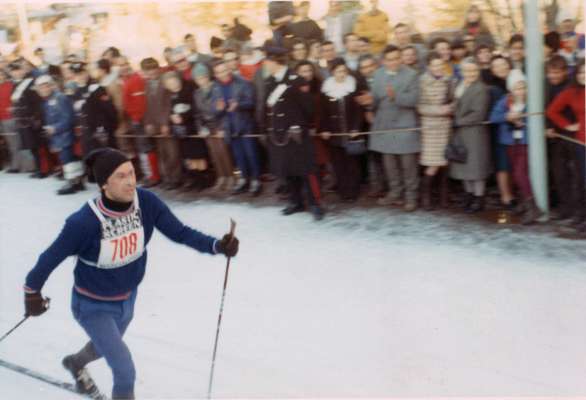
<point>81,237</point>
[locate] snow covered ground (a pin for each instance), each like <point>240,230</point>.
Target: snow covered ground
<point>369,303</point>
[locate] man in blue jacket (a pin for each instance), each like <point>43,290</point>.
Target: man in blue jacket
<point>58,125</point>
<point>108,235</point>
<point>233,104</point>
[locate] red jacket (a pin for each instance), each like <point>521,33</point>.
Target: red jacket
<point>134,97</point>
<point>572,97</point>
<point>5,101</point>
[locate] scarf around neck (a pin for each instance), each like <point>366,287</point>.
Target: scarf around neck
<point>339,90</point>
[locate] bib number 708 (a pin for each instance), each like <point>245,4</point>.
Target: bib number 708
<point>124,246</point>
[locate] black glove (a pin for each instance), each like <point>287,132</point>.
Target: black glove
<point>228,246</point>
<point>35,304</point>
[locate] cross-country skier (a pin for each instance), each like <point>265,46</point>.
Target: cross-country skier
<point>109,235</point>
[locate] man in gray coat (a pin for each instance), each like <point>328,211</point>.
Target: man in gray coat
<point>395,92</point>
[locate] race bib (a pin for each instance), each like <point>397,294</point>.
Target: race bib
<point>122,238</point>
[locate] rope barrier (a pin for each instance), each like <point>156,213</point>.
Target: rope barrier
<point>380,132</point>
<point>569,139</point>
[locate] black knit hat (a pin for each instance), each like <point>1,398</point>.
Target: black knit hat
<point>101,163</point>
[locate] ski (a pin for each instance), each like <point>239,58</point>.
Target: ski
<point>70,387</point>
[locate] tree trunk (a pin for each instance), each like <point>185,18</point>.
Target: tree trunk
<point>551,12</point>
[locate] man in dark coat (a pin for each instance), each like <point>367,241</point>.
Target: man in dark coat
<point>96,115</point>
<point>289,110</point>
<point>27,114</point>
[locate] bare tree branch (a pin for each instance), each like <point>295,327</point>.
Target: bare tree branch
<point>551,12</point>
<point>511,15</point>
<point>500,19</point>
<point>494,9</point>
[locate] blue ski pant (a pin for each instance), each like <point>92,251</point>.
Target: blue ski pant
<point>105,323</point>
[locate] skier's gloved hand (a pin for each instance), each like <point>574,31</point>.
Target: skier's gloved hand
<point>228,246</point>
<point>35,304</point>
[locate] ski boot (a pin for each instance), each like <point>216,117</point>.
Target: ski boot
<point>83,381</point>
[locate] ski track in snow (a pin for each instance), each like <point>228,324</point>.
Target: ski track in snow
<point>368,302</point>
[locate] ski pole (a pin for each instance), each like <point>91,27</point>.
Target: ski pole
<point>46,304</point>
<point>13,329</point>
<point>232,228</point>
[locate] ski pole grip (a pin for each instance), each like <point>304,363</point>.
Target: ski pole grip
<point>232,228</point>
<point>47,303</point>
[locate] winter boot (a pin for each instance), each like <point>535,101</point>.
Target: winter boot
<point>476,205</point>
<point>38,175</point>
<point>292,209</point>
<point>220,184</point>
<point>426,183</point>
<point>532,212</point>
<point>317,212</point>
<point>241,186</point>
<point>444,188</point>
<point>193,181</point>
<point>69,188</point>
<point>468,200</point>
<point>513,207</point>
<point>83,381</point>
<point>255,187</point>
<point>390,199</point>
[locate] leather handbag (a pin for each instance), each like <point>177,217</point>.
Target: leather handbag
<point>356,146</point>
<point>456,151</point>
